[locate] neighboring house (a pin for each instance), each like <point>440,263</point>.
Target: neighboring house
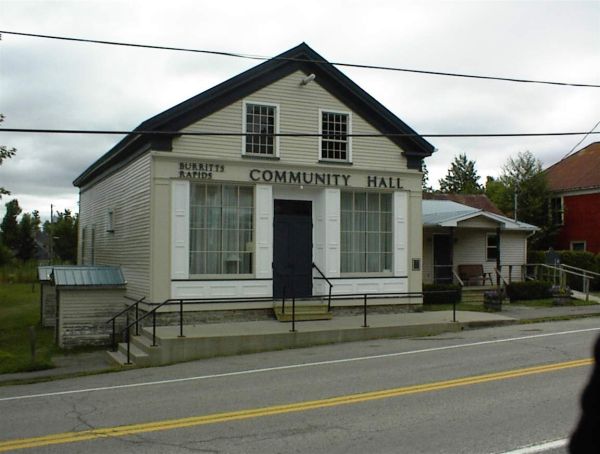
<point>246,215</point>
<point>456,234</point>
<point>575,202</point>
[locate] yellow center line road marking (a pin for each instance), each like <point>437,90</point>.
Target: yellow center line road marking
<point>131,429</point>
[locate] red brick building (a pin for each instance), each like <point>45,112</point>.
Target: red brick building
<point>575,205</point>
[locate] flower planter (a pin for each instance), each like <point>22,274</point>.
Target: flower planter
<point>561,300</point>
<point>492,301</point>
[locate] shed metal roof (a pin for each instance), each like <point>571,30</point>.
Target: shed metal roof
<point>87,276</point>
<point>44,272</point>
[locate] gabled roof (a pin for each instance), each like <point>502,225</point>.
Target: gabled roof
<point>446,213</point>
<point>479,201</point>
<point>581,170</point>
<point>302,58</point>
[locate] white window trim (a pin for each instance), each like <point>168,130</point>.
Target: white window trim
<point>333,111</point>
<point>562,210</point>
<point>110,220</point>
<point>260,103</point>
<point>487,236</point>
<point>578,241</point>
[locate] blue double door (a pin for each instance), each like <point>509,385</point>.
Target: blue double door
<point>292,248</point>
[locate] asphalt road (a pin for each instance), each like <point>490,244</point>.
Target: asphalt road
<point>494,390</point>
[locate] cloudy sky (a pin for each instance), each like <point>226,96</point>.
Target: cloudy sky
<point>51,84</point>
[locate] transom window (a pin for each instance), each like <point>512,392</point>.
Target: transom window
<point>261,124</point>
<point>366,232</point>
<point>221,229</point>
<point>335,143</point>
<point>492,247</point>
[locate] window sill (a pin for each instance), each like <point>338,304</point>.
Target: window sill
<point>260,157</point>
<point>334,161</point>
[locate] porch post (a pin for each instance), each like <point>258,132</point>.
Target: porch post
<point>498,253</point>
<point>452,255</point>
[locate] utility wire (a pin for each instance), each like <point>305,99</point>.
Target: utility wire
<point>290,134</point>
<point>579,143</point>
<point>261,57</point>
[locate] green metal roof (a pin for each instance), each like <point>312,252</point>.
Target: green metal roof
<point>83,276</point>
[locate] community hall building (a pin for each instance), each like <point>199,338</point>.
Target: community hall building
<point>258,187</point>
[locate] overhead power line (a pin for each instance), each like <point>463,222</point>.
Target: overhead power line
<point>290,134</point>
<point>262,57</point>
<point>591,131</point>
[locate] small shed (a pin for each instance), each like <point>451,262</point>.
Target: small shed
<point>81,299</point>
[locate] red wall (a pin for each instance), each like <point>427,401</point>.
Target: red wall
<point>581,222</point>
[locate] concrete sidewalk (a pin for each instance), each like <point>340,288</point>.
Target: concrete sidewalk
<point>339,329</point>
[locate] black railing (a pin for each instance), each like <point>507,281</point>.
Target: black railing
<point>125,311</point>
<point>365,297</point>
<point>326,280</point>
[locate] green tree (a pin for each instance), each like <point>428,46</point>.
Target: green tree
<point>26,246</point>
<point>523,176</point>
<point>64,234</point>
<point>425,181</point>
<point>5,153</point>
<point>461,178</point>
<point>10,225</point>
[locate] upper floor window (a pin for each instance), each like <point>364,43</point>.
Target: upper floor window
<point>557,211</point>
<point>335,143</point>
<point>260,123</point>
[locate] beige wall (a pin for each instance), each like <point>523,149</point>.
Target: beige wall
<point>298,112</point>
<point>127,194</point>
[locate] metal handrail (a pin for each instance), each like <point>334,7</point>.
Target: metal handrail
<point>182,301</point>
<point>585,272</point>
<point>113,319</point>
<point>460,281</point>
<point>326,280</point>
<point>562,275</point>
<point>500,278</point>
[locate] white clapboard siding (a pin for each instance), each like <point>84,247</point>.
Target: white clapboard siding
<point>298,112</point>
<point>83,315</point>
<point>127,194</point>
<point>470,248</point>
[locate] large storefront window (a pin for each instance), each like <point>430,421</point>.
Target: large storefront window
<point>221,229</point>
<point>366,232</point>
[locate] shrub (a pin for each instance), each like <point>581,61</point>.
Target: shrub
<point>441,294</point>
<point>529,290</point>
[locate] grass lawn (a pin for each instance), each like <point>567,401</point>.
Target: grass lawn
<point>20,309</point>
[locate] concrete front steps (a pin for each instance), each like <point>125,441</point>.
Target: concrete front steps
<point>305,310</point>
<point>473,295</point>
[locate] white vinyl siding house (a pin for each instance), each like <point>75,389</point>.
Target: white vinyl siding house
<point>470,231</point>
